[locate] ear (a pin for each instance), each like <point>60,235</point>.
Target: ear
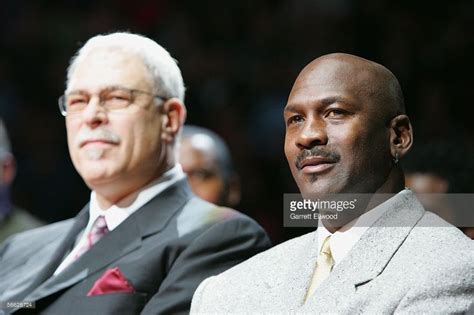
<point>401,135</point>
<point>174,115</point>
<point>8,171</point>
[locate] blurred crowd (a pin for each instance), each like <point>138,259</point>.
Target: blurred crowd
<point>238,60</point>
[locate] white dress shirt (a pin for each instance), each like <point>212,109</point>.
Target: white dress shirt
<point>116,215</point>
<point>342,241</point>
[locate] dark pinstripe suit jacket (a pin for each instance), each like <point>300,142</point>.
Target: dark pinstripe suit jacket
<point>164,250</point>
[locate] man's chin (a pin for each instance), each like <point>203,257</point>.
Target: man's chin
<point>94,152</point>
<point>94,177</point>
<point>318,189</point>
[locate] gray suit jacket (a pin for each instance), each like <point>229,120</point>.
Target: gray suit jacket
<point>164,250</point>
<point>409,261</point>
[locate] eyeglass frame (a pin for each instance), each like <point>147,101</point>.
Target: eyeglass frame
<point>63,106</point>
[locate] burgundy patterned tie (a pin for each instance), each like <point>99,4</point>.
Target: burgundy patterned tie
<point>99,229</point>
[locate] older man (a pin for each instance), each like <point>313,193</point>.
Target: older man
<point>346,131</point>
<point>144,242</point>
<point>207,162</point>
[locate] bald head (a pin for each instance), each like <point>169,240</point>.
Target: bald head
<point>345,127</point>
<point>206,160</point>
<point>369,80</point>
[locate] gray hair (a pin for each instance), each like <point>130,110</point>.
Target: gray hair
<point>164,70</point>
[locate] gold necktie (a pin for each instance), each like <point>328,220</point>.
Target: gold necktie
<point>324,265</point>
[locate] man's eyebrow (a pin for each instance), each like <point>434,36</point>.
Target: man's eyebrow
<point>324,102</point>
<point>82,92</point>
<point>290,108</point>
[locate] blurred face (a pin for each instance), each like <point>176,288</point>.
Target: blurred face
<point>426,183</point>
<point>115,151</point>
<point>336,141</point>
<point>199,163</point>
<point>430,190</point>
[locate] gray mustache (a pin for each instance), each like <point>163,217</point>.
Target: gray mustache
<point>317,152</point>
<point>95,134</point>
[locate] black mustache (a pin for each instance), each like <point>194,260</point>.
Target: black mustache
<point>317,152</point>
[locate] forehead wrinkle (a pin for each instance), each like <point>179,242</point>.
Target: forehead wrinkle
<point>367,81</point>
<point>321,90</point>
<point>105,88</point>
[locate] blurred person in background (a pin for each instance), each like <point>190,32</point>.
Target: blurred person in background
<point>207,162</point>
<point>12,218</point>
<point>144,242</point>
<point>442,167</point>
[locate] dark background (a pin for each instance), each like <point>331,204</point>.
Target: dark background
<point>239,60</point>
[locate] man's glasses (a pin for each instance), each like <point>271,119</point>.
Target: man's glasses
<point>113,98</point>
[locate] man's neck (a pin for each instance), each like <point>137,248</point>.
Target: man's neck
<point>110,195</point>
<point>105,203</point>
<point>394,184</point>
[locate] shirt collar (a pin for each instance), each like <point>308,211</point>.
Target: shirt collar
<point>344,239</point>
<point>116,215</point>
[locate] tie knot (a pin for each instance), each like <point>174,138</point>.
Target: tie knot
<point>98,230</point>
<point>100,222</point>
<point>325,248</point>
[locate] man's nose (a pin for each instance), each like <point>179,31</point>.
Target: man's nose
<point>94,114</point>
<point>312,134</point>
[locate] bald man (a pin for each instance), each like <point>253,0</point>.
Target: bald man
<point>207,162</point>
<point>346,132</point>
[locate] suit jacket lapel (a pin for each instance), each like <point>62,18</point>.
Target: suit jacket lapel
<point>371,254</point>
<point>149,219</point>
<point>291,285</point>
<point>65,244</point>
<point>383,239</point>
<point>305,271</point>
